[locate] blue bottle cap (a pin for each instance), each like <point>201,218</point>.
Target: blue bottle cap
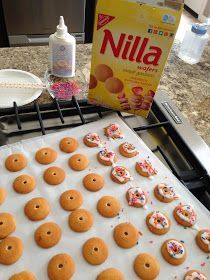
<point>199,29</point>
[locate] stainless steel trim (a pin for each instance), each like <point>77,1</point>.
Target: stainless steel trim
<point>197,145</point>
<point>16,40</point>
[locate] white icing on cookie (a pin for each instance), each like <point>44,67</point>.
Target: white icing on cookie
<point>175,249</point>
<point>159,220</point>
<point>205,237</point>
<point>93,138</point>
<point>187,214</point>
<point>136,196</point>
<point>129,148</point>
<point>195,276</point>
<point>121,173</point>
<point>113,131</point>
<point>146,167</point>
<point>167,191</point>
<point>107,156</point>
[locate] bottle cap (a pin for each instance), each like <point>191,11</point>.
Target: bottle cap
<point>199,29</point>
<point>61,28</point>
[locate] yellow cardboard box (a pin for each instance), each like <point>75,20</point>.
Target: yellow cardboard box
<point>131,43</point>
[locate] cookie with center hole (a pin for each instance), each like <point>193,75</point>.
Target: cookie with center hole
<point>195,275</point>
<point>54,175</point>
<point>46,155</point>
<point>165,193</point>
<point>174,251</point>
<point>61,267</point>
<point>68,145</point>
<point>185,215</point>
<point>47,235</point>
<point>158,223</point>
<point>95,251</point>
<point>93,182</point>
<point>24,184</point>
<point>107,158</point>
<point>37,209</point>
<point>146,266</point>
<point>92,140</point>
<point>110,274</point>
<point>126,235</point>
<point>15,162</point>
<point>23,275</point>
<point>78,162</point>
<point>136,197</point>
<point>128,150</point>
<point>80,220</point>
<point>120,175</point>
<point>7,224</point>
<point>108,206</point>
<point>11,250</point>
<point>70,200</point>
<point>203,240</point>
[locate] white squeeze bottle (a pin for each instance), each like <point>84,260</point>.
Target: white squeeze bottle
<point>62,51</point>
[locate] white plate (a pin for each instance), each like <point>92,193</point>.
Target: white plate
<point>20,95</point>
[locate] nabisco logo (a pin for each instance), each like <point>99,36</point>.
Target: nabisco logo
<point>103,20</point>
<point>132,48</point>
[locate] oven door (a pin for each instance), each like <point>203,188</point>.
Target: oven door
<point>34,21</point>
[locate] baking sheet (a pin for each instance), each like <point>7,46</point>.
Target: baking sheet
<point>36,259</point>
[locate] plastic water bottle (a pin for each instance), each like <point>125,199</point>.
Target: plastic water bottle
<point>194,43</point>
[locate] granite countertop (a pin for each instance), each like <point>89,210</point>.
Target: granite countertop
<point>187,85</point>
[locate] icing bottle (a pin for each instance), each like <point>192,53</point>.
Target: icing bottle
<point>62,51</point>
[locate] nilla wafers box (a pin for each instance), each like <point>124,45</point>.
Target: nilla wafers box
<point>131,43</point>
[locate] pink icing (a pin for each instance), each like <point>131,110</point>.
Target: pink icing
<point>136,196</point>
<point>113,131</point>
<point>146,167</point>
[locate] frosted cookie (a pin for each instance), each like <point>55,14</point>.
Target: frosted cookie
<point>80,220</point>
<point>15,162</point>
<point>145,169</point>
<point>11,249</point>
<point>136,197</point>
<point>3,195</point>
<point>165,193</point>
<point>54,175</point>
<point>174,252</point>
<point>103,72</point>
<point>93,82</point>
<point>146,266</point>
<point>114,85</point>
<point>108,206</point>
<point>203,240</point>
<point>128,150</point>
<point>185,215</point>
<point>71,200</point>
<point>113,131</point>
<point>46,155</point>
<point>24,184</point>
<point>23,275</point>
<point>78,162</point>
<point>110,274</point>
<point>107,158</point>
<point>47,235</point>
<point>95,251</point>
<point>126,235</point>
<point>92,140</point>
<point>61,267</point>
<point>93,182</point>
<point>7,224</point>
<point>37,209</point>
<point>68,145</point>
<point>158,223</point>
<point>195,275</point>
<point>120,175</point>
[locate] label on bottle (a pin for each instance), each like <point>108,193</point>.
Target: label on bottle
<point>63,61</point>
